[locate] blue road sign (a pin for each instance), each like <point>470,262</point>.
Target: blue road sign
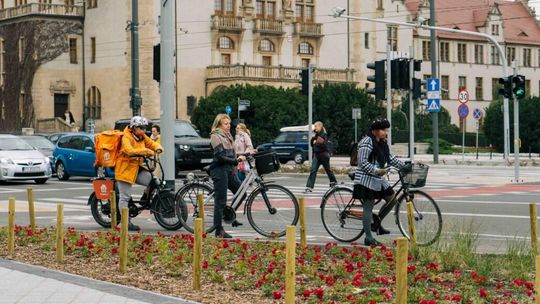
<point>477,114</point>
<point>433,84</point>
<point>434,105</point>
<point>463,110</point>
<point>228,109</point>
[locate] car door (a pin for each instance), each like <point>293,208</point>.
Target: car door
<point>87,157</point>
<point>72,158</point>
<point>282,145</point>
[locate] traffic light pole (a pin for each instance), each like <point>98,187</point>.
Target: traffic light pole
<point>389,92</point>
<point>411,104</point>
<point>517,140</point>
<point>433,53</point>
<point>310,111</point>
<point>135,92</point>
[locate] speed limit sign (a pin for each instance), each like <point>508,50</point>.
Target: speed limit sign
<point>463,96</point>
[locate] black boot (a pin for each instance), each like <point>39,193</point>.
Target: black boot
<point>380,230</point>
<point>236,223</point>
<point>371,242</point>
<point>133,227</point>
<point>220,233</point>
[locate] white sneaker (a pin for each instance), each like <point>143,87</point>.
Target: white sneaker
<point>308,190</point>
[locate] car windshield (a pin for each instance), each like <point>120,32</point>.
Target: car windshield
<point>14,144</point>
<point>183,129</point>
<point>39,142</point>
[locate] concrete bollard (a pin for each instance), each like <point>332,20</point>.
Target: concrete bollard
<point>197,253</point>
<point>401,270</point>
<point>290,272</point>
<point>31,209</point>
<point>123,240</point>
<point>200,207</point>
<point>412,229</point>
<point>11,226</point>
<point>60,233</point>
<point>303,241</point>
<point>114,220</point>
<point>534,228</point>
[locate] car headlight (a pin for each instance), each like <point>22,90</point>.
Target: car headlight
<point>46,160</point>
<point>184,147</point>
<point>7,161</point>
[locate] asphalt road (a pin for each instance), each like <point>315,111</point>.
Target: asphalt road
<point>480,200</point>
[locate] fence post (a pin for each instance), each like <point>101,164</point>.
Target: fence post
<point>197,252</point>
<point>290,273</point>
<point>303,241</point>
<point>60,233</point>
<point>123,239</point>
<point>412,229</point>
<point>11,226</point>
<point>534,229</point>
<point>200,206</point>
<point>401,270</point>
<point>114,220</point>
<point>31,209</point>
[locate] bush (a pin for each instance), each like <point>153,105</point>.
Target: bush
<point>444,146</point>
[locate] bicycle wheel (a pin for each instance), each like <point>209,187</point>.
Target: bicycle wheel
<point>101,210</point>
<point>342,222</point>
<point>270,209</point>
<point>427,218</point>
<point>167,214</point>
<point>187,196</point>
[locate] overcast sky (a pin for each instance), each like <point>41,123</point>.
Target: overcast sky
<point>536,5</point>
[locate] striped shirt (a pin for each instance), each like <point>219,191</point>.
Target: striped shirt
<point>365,174</point>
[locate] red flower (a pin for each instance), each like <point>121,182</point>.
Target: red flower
<point>225,244</point>
<point>456,298</point>
<point>205,265</point>
<point>319,292</point>
<point>91,245</point>
<point>483,293</point>
<point>114,250</point>
<point>276,295</point>
<point>307,293</point>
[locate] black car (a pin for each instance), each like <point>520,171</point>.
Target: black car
<point>290,144</point>
<point>191,150</point>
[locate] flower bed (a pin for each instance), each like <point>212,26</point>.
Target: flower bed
<point>253,271</point>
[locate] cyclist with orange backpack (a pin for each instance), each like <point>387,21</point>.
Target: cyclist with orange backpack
<point>129,169</point>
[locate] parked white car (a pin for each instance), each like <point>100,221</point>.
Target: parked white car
<point>20,161</point>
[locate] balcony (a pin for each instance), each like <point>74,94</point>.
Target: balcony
<point>308,29</point>
<point>268,26</point>
<point>42,9</point>
<point>227,23</point>
<point>274,74</point>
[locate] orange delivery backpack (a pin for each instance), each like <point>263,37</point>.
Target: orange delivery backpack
<point>108,144</point>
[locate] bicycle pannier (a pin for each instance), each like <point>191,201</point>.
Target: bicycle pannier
<point>108,144</point>
<point>266,162</point>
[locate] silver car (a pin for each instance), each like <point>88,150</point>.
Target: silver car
<point>20,161</point>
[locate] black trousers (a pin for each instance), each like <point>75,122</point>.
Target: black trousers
<point>318,160</point>
<point>223,178</point>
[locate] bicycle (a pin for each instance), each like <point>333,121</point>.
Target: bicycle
<point>342,218</point>
<point>159,200</point>
<point>267,206</point>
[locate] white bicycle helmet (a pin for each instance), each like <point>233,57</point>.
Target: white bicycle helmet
<point>138,121</point>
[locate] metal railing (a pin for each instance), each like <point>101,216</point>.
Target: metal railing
<point>226,23</point>
<point>41,9</point>
<point>269,26</point>
<point>278,73</point>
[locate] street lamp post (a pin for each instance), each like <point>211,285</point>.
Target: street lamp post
<point>338,12</point>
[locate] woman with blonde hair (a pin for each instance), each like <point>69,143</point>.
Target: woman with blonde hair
<point>242,145</point>
<point>321,156</point>
<point>221,169</point>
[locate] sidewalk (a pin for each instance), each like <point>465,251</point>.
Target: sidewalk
<point>22,283</point>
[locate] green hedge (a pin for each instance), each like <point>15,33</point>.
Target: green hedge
<point>402,136</point>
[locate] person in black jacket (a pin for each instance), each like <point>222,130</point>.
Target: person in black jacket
<point>221,169</point>
<point>321,156</point>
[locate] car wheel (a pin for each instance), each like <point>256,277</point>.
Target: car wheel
<point>40,181</point>
<point>298,158</point>
<point>61,171</point>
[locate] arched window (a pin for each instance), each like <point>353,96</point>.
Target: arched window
<point>266,46</point>
<point>225,43</point>
<point>305,48</point>
<point>93,103</point>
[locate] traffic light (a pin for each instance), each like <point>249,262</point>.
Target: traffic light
<point>417,90</point>
<point>156,72</point>
<point>304,82</point>
<point>400,73</point>
<point>506,89</point>
<point>519,86</point>
<point>378,79</point>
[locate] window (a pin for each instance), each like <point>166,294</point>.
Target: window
<point>495,29</point>
<point>21,104</point>
<point>479,88</point>
<point>462,52</point>
<point>445,51</point>
<point>478,54</point>
<point>266,46</point>
<point>495,59</point>
<point>1,4</point>
<point>20,2</point>
<point>2,62</point>
<point>21,48</point>
<point>225,43</point>
<point>91,3</point>
<point>304,10</point>
<point>445,85</point>
<point>462,83</point>
<point>510,54</point>
<point>526,57</point>
<point>225,59</point>
<point>305,48</point>
<point>69,5</point>
<point>73,50</point>
<point>229,7</point>
<point>495,86</point>
<point>391,35</point>
<point>366,41</point>
<point>267,60</point>
<point>528,87</point>
<point>426,50</point>
<point>93,103</point>
<point>305,62</point>
<point>92,49</point>
<point>380,4</point>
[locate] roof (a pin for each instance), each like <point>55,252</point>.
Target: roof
<point>295,129</point>
<point>519,26</point>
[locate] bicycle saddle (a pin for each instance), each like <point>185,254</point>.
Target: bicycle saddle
<point>206,169</point>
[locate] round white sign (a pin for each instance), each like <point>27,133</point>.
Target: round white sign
<point>463,96</point>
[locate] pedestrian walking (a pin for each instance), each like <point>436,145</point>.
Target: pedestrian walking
<point>321,156</point>
<point>242,145</point>
<point>369,186</point>
<point>156,134</point>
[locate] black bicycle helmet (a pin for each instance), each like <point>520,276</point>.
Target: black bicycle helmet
<point>380,123</point>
